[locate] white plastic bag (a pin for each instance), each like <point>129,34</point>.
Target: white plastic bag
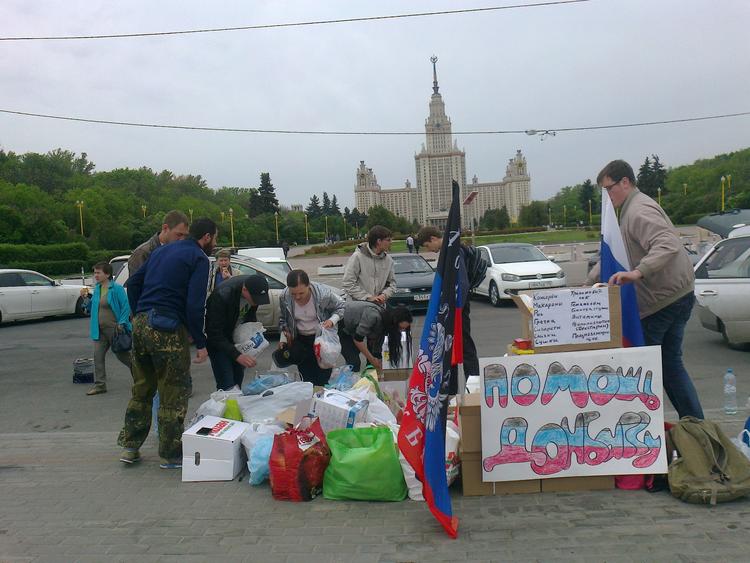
<point>327,348</point>
<point>257,453</point>
<point>249,340</point>
<point>270,403</point>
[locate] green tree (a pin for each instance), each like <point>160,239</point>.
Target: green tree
<point>267,194</point>
<point>495,219</point>
<point>533,215</point>
<point>658,174</point>
<point>335,209</point>
<point>326,209</point>
<point>313,209</point>
<point>379,215</point>
<point>644,180</point>
<point>587,193</point>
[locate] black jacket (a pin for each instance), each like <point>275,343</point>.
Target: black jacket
<point>222,313</point>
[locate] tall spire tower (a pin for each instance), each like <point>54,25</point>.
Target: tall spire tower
<point>439,162</point>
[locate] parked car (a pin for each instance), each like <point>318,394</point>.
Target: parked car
<point>596,256</point>
<point>722,288</point>
<point>267,314</point>
<point>25,294</point>
<point>274,257</point>
<point>514,267</point>
<point>414,277</point>
<point>117,264</point>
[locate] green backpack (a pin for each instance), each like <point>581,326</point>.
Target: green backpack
<point>709,468</point>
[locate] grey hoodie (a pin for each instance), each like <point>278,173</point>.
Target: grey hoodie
<point>368,274</point>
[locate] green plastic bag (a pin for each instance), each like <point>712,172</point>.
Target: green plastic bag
<point>232,411</point>
<point>364,466</point>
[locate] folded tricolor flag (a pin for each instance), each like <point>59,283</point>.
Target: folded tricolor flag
<point>614,259</point>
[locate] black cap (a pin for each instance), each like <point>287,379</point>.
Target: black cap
<point>257,287</point>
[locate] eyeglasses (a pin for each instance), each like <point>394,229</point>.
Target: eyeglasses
<point>612,185</point>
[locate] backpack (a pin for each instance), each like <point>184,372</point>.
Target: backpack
<point>709,468</point>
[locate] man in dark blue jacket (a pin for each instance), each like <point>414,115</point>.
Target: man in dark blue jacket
<point>168,298</point>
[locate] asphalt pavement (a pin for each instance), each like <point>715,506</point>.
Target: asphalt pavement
<point>65,497</point>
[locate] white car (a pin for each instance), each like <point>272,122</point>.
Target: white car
<point>267,314</point>
<point>273,257</point>
<point>514,267</point>
<point>722,288</point>
<point>25,294</point>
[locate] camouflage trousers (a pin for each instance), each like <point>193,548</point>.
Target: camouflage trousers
<point>160,361</point>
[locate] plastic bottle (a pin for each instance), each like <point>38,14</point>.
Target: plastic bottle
<point>386,354</point>
<point>730,392</point>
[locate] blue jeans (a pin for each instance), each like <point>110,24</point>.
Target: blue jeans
<point>227,372</point>
<point>666,328</point>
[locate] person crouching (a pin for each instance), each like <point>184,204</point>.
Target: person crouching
<point>235,301</point>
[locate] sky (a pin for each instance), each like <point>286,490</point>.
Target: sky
<point>594,63</point>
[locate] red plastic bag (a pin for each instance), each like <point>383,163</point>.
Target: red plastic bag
<point>299,459</point>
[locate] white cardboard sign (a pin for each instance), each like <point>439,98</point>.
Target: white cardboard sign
<point>571,316</point>
<point>571,414</point>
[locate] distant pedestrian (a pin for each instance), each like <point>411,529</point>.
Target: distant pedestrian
<point>369,274</point>
<point>223,270</point>
<point>663,278</point>
<point>168,297</point>
<point>476,268</point>
<point>410,244</point>
<point>285,248</point>
<point>174,228</point>
<point>236,301</point>
<point>306,307</point>
<point>109,311</point>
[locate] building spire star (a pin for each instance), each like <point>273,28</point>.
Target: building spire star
<point>433,60</point>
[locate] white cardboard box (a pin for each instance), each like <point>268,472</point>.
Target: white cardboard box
<point>336,409</point>
<point>211,449</point>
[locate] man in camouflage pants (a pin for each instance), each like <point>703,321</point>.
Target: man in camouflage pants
<point>168,296</point>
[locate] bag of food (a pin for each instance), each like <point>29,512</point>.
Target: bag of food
<point>249,340</point>
<point>364,466</point>
<point>298,461</point>
<point>327,348</point>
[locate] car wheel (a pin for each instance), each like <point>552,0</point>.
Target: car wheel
<point>80,311</point>
<point>732,345</point>
<point>495,295</point>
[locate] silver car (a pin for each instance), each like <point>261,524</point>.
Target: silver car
<point>722,288</point>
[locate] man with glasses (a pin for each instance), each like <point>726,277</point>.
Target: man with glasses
<point>663,278</point>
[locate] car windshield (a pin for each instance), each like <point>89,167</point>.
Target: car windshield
<point>731,259</point>
<point>516,253</point>
<point>281,268</point>
<point>411,265</point>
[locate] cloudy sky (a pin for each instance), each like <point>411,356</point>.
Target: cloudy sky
<point>593,63</point>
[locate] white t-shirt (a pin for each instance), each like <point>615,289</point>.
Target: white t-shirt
<point>305,317</point>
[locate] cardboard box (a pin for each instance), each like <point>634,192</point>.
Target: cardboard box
<point>615,323</point>
<point>469,425</point>
<point>211,449</point>
<point>402,374</point>
<point>471,480</point>
<point>336,409</point>
<point>589,483</point>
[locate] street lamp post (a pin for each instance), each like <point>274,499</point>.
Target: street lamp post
<point>276,215</point>
<point>590,220</point>
<point>143,208</point>
<point>79,205</point>
<point>231,224</point>
<point>307,236</point>
<point>723,179</point>
<point>344,220</point>
<point>191,215</point>
<point>549,216</point>
<point>658,194</point>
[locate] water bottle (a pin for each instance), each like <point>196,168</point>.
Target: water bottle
<point>386,354</point>
<point>730,392</point>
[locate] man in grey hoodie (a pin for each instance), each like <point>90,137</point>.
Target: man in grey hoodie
<point>369,273</point>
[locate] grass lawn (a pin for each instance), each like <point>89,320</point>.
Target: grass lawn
<point>540,238</point>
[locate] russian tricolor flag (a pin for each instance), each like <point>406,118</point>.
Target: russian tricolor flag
<point>614,259</point>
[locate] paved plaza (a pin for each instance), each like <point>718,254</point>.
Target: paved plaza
<point>65,497</point>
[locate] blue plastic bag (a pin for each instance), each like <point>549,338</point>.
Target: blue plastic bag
<point>345,379</point>
<point>265,382</point>
<point>258,462</point>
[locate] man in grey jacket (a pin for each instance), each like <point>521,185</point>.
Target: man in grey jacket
<point>663,278</point>
<point>369,273</point>
<point>306,307</point>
